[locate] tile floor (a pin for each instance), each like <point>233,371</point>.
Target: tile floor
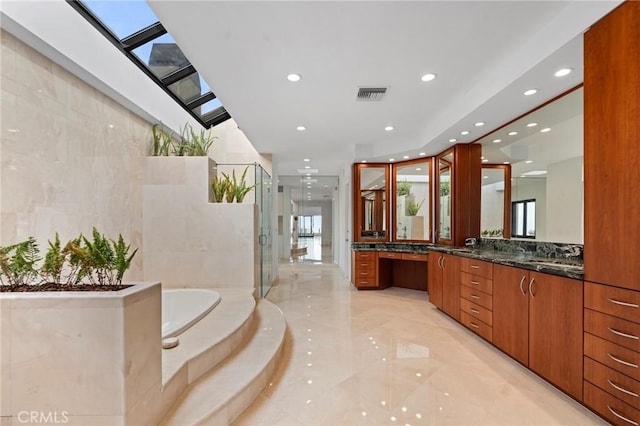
<point>390,358</point>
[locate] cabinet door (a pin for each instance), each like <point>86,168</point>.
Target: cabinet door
<point>511,311</point>
<point>434,275</point>
<point>451,286</point>
<point>555,331</point>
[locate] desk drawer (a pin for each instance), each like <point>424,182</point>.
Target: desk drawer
<point>477,311</point>
<point>617,330</point>
<point>476,282</point>
<point>365,265</point>
<point>613,355</point>
<point>389,255</point>
<point>366,282</point>
<point>476,267</point>
<point>615,383</point>
<point>475,296</point>
<point>613,301</point>
<point>413,256</point>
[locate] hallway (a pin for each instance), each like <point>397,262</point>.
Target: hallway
<point>390,358</point>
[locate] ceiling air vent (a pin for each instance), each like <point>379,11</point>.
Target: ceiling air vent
<point>371,93</point>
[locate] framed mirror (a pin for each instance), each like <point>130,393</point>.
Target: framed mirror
<point>371,208</point>
<point>444,200</point>
<point>545,151</point>
<point>412,201</point>
<point>495,201</point>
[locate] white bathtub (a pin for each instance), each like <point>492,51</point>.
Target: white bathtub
<point>181,308</point>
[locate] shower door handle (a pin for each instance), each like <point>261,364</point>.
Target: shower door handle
<point>262,239</point>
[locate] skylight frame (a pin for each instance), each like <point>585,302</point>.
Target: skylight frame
<point>146,35</point>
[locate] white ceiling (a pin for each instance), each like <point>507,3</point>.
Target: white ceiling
<point>485,54</point>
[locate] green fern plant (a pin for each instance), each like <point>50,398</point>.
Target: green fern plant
<point>54,260</point>
<point>404,188</point>
<point>18,262</point>
<point>122,259</point>
<point>74,256</point>
<point>230,184</point>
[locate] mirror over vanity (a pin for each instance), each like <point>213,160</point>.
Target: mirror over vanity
<point>543,152</point>
<point>371,207</point>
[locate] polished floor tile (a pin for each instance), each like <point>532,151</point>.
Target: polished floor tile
<point>390,358</point>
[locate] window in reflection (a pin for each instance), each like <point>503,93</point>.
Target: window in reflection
<point>495,216</point>
<point>524,219</point>
<point>413,207</point>
<point>444,185</point>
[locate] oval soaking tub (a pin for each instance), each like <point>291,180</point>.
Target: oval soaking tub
<point>181,308</point>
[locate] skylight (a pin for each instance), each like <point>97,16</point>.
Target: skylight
<point>134,29</point>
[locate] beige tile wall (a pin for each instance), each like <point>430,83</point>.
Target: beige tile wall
<point>70,157</point>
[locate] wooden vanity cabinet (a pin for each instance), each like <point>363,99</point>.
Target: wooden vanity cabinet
<point>444,287</point>
<point>537,319</point>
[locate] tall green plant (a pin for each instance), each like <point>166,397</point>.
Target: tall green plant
<point>162,141</point>
<point>230,184</point>
<point>219,187</point>
<point>404,188</point>
<point>241,189</point>
<point>413,208</point>
<point>122,259</point>
<point>200,143</point>
<point>18,262</point>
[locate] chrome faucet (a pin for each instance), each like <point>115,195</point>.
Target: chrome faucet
<point>471,242</point>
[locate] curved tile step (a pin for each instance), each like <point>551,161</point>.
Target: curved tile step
<point>207,343</point>
<point>222,394</point>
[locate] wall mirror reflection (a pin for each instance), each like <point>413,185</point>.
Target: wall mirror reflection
<point>495,217</point>
<point>444,202</point>
<point>412,205</point>
<point>372,207</point>
<point>545,151</point>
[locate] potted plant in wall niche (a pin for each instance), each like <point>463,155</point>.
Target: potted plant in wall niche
<point>87,322</point>
<point>417,222</point>
<point>229,188</point>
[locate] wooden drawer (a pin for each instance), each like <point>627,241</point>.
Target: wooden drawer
<point>365,255</point>
<point>476,282</point>
<point>613,382</point>
<point>476,311</point>
<point>365,273</point>
<point>365,265</point>
<point>476,326</point>
<point>476,267</point>
<point>610,407</point>
<point>613,301</point>
<point>613,355</point>
<point>389,255</point>
<point>366,282</point>
<point>416,257</point>
<point>614,329</point>
<point>475,296</point>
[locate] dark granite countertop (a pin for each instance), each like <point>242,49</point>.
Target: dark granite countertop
<point>527,260</point>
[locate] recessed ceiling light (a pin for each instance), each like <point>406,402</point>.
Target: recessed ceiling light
<point>306,160</point>
<point>528,161</point>
<point>307,167</point>
<point>485,177</point>
<point>405,157</point>
<point>505,162</point>
<point>497,140</point>
<point>418,169</point>
<point>392,159</point>
<point>422,154</point>
<point>485,160</point>
<point>452,140</point>
<point>301,128</point>
<point>545,130</point>
<point>389,128</point>
<point>464,132</point>
<point>562,72</point>
<point>512,133</point>
<point>428,77</point>
<point>482,158</point>
<point>532,124</point>
<point>530,92</point>
<point>480,123</point>
<point>363,161</point>
<point>294,77</point>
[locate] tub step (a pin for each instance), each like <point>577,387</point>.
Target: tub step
<point>222,394</point>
